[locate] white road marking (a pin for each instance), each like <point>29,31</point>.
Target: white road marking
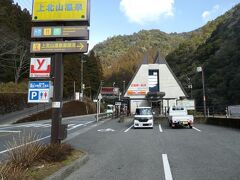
<point>197,129</point>
<point>166,166</point>
<point>88,123</point>
<point>106,130</point>
<point>128,128</point>
<point>78,125</point>
<point>160,128</point>
<point>24,144</point>
<point>4,131</point>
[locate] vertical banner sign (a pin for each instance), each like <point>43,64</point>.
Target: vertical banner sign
<point>40,67</point>
<point>38,91</point>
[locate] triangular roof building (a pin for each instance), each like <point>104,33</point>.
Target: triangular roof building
<point>154,85</point>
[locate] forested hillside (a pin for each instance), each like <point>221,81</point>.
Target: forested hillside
<point>15,28</point>
<point>219,55</point>
<point>113,51</point>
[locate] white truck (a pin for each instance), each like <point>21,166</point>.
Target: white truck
<point>178,116</point>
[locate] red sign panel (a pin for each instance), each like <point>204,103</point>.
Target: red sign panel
<point>40,67</point>
<point>109,91</point>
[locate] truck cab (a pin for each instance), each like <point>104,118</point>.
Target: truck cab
<point>143,117</point>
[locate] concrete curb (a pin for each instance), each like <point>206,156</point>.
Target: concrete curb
<point>67,170</point>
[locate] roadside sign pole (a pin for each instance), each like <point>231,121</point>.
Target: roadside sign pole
<point>57,98</point>
<point>97,109</point>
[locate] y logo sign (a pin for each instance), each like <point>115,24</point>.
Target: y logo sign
<point>40,67</point>
<point>40,63</point>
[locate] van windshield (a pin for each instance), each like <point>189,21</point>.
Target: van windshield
<point>109,107</point>
<point>146,111</point>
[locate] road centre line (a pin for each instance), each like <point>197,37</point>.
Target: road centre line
<point>128,128</point>
<point>166,166</point>
<point>197,129</point>
<point>24,144</point>
<point>160,128</point>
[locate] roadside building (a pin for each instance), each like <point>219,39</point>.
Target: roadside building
<point>154,85</point>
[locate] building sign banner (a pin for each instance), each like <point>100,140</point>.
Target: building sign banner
<point>40,67</point>
<point>59,46</point>
<point>137,89</point>
<point>110,91</point>
<point>60,31</point>
<point>39,91</point>
<point>64,10</point>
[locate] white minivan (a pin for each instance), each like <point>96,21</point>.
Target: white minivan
<point>143,117</point>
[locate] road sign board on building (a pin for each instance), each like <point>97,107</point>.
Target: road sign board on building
<point>76,32</point>
<point>40,67</point>
<point>39,91</point>
<point>64,10</point>
<point>59,47</point>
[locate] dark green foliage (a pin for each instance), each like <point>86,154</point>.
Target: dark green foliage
<point>92,74</point>
<point>15,28</point>
<point>10,102</point>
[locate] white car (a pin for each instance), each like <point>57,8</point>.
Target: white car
<point>143,117</point>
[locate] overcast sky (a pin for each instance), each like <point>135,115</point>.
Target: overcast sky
<point>120,17</point>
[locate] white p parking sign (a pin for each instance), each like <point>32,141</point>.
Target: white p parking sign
<point>38,91</point>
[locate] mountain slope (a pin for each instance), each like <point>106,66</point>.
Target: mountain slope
<point>220,57</point>
<point>113,48</point>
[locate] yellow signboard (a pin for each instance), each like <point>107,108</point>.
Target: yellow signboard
<point>60,10</point>
<point>59,46</point>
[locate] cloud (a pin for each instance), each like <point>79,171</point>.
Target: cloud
<point>143,11</point>
<point>207,15</point>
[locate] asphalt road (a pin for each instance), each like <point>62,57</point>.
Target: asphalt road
<point>118,152</point>
<point>41,130</point>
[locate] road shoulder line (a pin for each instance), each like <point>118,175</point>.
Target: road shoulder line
<point>160,128</point>
<point>197,129</point>
<point>128,128</point>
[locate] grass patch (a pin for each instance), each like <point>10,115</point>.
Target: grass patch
<point>34,160</point>
<point>43,170</point>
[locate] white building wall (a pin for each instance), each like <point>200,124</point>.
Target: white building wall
<point>167,83</point>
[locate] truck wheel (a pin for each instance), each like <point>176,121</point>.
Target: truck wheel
<point>190,126</point>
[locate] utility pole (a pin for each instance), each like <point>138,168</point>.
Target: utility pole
<point>57,99</point>
<point>123,87</point>
<point>189,85</point>
<point>200,69</point>
<point>82,61</point>
<point>74,90</point>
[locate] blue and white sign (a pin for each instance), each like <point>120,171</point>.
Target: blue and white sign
<point>37,32</point>
<point>39,91</point>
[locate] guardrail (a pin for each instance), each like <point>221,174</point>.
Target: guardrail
<point>227,122</point>
<point>103,116</point>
